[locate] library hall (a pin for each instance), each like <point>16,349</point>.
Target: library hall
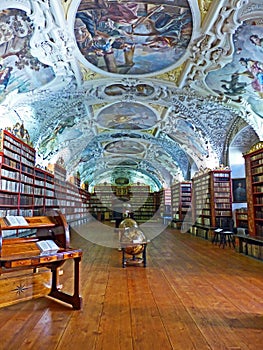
<point>131,175</point>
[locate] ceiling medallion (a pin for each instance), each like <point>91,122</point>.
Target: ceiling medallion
<point>133,38</point>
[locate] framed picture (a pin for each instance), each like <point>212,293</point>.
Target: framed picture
<point>239,190</point>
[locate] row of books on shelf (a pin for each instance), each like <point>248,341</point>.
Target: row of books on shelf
<point>223,213</point>
<point>258,189</point>
<point>8,199</point>
<point>259,229</point>
<point>222,185</point>
<point>11,186</point>
<point>10,174</point>
<point>254,250</point>
<point>256,156</point>
<point>257,162</point>
<point>222,201</point>
<point>257,178</point>
<point>223,205</point>
<point>259,214</point>
<point>257,170</point>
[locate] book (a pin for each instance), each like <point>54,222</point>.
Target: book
<point>47,246</point>
<point>16,220</point>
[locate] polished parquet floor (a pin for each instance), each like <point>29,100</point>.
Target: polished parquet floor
<point>191,295</point>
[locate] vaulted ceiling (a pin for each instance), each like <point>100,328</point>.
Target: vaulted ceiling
<point>148,91</point>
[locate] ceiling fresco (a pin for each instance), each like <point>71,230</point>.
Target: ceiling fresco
<point>133,38</point>
<point>127,115</point>
<point>19,69</point>
<point>243,76</point>
<point>147,91</point>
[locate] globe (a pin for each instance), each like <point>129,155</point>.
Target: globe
<point>131,233</point>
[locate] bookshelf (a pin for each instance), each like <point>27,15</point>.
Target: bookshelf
<point>254,182</point>
<point>241,216</point>
<point>139,198</point>
<point>142,202</point>
<point>28,190</point>
<point>44,191</point>
<point>181,198</point>
<point>211,201</point>
<point>71,199</point>
<point>17,161</point>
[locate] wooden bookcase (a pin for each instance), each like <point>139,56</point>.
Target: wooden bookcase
<point>28,190</point>
<point>181,197</point>
<point>44,191</point>
<point>139,197</point>
<point>71,199</point>
<point>254,184</point>
<point>142,202</point>
<point>211,201</point>
<point>241,216</point>
<point>17,162</point>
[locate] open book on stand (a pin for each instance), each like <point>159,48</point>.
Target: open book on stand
<point>16,220</point>
<point>47,246</point>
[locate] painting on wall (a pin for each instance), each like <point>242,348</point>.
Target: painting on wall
<point>128,115</point>
<point>133,37</point>
<point>19,70</point>
<point>243,77</point>
<point>239,190</point>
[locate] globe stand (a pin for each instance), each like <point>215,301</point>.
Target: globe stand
<point>133,254</point>
<point>132,242</point>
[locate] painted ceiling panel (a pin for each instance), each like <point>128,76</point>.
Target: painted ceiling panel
<point>132,89</point>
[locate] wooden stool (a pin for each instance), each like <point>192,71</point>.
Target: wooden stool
<point>227,237</point>
<point>217,236</point>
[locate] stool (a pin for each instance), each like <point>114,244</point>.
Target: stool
<point>217,236</point>
<point>227,237</point>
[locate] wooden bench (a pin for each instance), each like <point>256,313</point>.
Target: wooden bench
<point>21,254</point>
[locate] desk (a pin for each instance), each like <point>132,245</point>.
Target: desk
<point>23,254</point>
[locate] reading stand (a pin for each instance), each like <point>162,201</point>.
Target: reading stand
<point>17,254</point>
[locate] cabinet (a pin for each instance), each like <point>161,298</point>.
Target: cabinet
<point>254,182</point>
<point>181,197</point>
<point>212,199</point>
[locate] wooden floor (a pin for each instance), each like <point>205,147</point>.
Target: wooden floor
<point>191,295</point>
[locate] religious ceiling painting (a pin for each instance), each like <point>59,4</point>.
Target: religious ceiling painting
<point>125,147</point>
<point>127,115</point>
<point>243,76</point>
<point>139,90</point>
<point>187,135</point>
<point>133,38</point>
<point>19,70</point>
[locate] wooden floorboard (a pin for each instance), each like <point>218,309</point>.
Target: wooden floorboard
<point>192,295</point>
